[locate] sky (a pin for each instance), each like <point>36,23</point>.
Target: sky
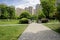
<point>21,3</point>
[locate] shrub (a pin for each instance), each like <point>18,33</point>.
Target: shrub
<point>44,20</point>
<point>33,17</point>
<point>24,21</point>
<point>25,15</point>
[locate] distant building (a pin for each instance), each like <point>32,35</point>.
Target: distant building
<point>34,11</point>
<point>26,9</point>
<point>37,8</point>
<point>19,11</point>
<point>57,2</point>
<point>29,9</point>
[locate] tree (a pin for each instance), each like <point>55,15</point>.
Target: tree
<point>11,10</point>
<point>58,12</point>
<point>3,11</point>
<point>40,14</point>
<point>7,11</point>
<point>25,15</point>
<point>48,7</point>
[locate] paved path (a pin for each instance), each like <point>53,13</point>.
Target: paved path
<point>39,32</point>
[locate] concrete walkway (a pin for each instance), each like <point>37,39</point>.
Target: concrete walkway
<point>39,32</point>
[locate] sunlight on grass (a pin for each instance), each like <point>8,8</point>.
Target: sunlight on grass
<point>11,32</point>
<point>5,21</point>
<point>53,21</point>
<point>55,27</point>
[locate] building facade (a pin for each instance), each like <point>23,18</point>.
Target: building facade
<point>37,8</point>
<point>19,11</point>
<point>57,2</point>
<point>29,9</point>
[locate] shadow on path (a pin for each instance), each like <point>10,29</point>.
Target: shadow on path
<point>42,35</point>
<point>39,32</point>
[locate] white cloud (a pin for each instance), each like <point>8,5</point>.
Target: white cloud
<point>28,3</point>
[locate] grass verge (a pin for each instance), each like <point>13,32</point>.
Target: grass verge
<point>55,27</point>
<point>11,32</point>
<point>10,21</point>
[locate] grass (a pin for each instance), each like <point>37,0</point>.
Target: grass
<point>53,21</point>
<point>55,27</point>
<point>11,32</point>
<point>11,21</point>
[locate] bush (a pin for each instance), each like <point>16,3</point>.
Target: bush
<point>33,17</point>
<point>25,15</point>
<point>44,20</point>
<point>24,21</point>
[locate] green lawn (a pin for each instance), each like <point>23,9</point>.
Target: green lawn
<point>11,21</point>
<point>55,27</point>
<point>53,21</point>
<point>11,32</point>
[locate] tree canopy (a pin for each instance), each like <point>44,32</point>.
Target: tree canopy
<point>6,11</point>
<point>49,7</point>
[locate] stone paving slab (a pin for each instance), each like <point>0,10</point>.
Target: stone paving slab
<point>39,32</point>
